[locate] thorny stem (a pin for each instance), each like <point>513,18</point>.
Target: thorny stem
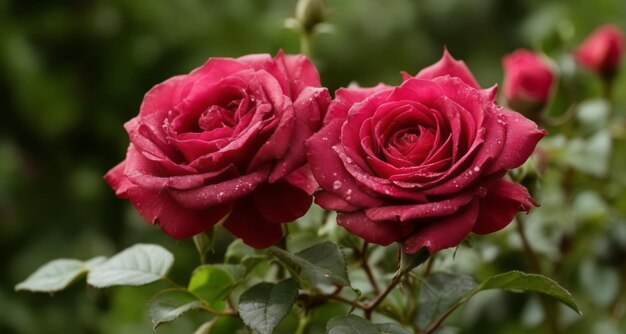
<point>379,299</point>
<point>367,268</point>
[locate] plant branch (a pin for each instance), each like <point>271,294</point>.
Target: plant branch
<point>533,261</point>
<point>368,269</point>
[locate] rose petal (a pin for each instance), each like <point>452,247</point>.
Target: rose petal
<point>220,193</point>
<point>345,98</point>
<point>158,207</point>
<point>145,174</point>
<point>246,222</point>
<point>329,170</point>
<point>522,136</point>
<point>410,212</point>
<point>118,181</point>
<point>447,65</point>
<point>299,73</point>
<point>308,111</point>
<point>381,233</point>
<point>443,233</point>
<point>330,201</point>
<point>498,208</point>
<point>280,202</point>
<point>303,179</point>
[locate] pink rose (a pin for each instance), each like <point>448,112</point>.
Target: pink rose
<point>528,81</point>
<point>225,141</point>
<point>422,163</point>
<point>602,50</point>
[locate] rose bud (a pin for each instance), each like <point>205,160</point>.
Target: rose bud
<point>602,50</point>
<point>225,143</point>
<point>528,81</point>
<point>422,163</point>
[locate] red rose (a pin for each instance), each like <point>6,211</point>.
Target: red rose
<point>226,140</point>
<point>528,81</point>
<point>602,50</point>
<point>422,163</point>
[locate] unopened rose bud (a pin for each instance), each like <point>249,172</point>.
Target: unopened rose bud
<point>310,13</point>
<point>602,50</point>
<point>528,81</point>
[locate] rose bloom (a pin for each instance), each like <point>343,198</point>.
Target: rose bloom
<point>528,81</point>
<point>602,50</point>
<point>423,163</point>
<point>225,142</point>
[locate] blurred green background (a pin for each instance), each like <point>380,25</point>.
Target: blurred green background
<point>72,72</point>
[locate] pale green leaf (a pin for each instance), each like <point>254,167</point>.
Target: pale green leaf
<point>137,265</point>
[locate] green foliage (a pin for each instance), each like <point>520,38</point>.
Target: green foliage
<point>213,283</point>
<point>57,275</point>
<point>171,304</point>
<point>321,263</point>
<point>439,292</point>
<point>352,324</point>
<point>137,265</point>
<point>264,305</point>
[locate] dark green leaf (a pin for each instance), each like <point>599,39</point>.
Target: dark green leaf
<point>321,263</point>
<point>264,305</point>
<point>514,281</point>
<point>240,253</point>
<point>351,324</point>
<point>211,283</point>
<point>517,281</point>
<point>222,325</point>
<point>392,328</point>
<point>439,292</point>
<point>170,305</point>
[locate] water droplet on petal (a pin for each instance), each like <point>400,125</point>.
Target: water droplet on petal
<point>337,184</point>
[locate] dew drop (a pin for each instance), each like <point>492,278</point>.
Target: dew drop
<point>349,191</point>
<point>349,160</point>
<point>337,184</point>
<point>477,169</point>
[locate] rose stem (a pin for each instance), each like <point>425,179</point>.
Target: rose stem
<point>379,299</point>
<point>367,268</point>
<point>535,267</point>
<point>533,262</point>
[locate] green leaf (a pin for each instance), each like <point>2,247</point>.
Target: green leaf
<point>392,328</point>
<point>240,253</point>
<point>137,265</point>
<point>439,292</point>
<point>221,325</point>
<point>264,305</point>
<point>317,264</point>
<point>350,324</point>
<point>170,305</point>
<point>517,281</point>
<point>204,243</point>
<point>211,283</point>
<point>514,281</point>
<point>53,276</point>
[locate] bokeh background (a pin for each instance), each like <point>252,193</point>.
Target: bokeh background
<point>72,72</point>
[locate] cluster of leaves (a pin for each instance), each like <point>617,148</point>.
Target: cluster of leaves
<point>313,285</point>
